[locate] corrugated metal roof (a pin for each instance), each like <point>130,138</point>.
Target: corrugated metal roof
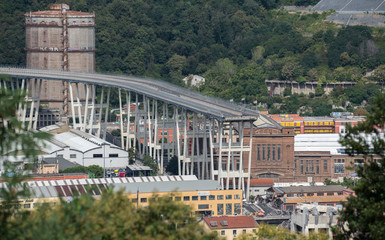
<point>311,189</point>
<point>318,143</point>
<point>68,188</point>
<point>198,185</point>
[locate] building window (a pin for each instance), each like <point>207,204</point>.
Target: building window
<point>223,232</point>
<point>194,198</point>
<point>98,155</point>
<point>309,166</point>
<point>273,153</point>
<point>186,198</point>
<point>178,198</point>
<point>301,166</point>
<point>279,152</point>
<point>237,208</point>
<point>317,166</point>
<point>143,200</point>
<point>203,197</point>
<point>295,165</point>
<point>134,200</point>
<point>203,206</point>
<point>263,152</point>
<point>228,197</point>
<point>114,155</point>
<point>229,209</point>
<point>220,209</point>
<point>72,155</point>
<point>244,230</point>
<point>290,195</point>
<point>212,197</point>
<point>325,165</point>
<point>268,152</point>
<point>358,163</point>
<point>220,197</point>
<point>321,194</point>
<point>258,152</point>
<point>235,233</point>
<point>330,193</point>
<point>339,165</point>
<point>237,196</point>
<point>310,194</point>
<point>28,205</point>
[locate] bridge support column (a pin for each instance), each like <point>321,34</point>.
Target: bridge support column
<point>89,122</point>
<point>32,89</point>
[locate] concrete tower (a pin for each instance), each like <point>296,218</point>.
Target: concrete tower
<point>60,39</point>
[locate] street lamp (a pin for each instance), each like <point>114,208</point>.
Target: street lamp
<point>104,158</point>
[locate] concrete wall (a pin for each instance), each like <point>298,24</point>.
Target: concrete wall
<point>276,87</point>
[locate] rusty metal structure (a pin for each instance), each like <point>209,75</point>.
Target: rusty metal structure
<point>60,39</point>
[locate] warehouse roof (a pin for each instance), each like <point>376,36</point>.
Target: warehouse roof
<point>309,189</point>
<point>318,143</point>
<point>73,187</point>
<point>74,139</point>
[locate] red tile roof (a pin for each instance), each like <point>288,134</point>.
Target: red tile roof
<point>254,182</point>
<point>232,222</point>
<point>261,182</point>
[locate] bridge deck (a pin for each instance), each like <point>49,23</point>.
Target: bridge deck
<point>163,91</point>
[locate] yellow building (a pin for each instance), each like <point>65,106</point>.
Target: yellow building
<point>204,196</point>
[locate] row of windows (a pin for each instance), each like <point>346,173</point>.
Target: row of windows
<point>318,131</point>
<point>223,232</point>
<point>32,205</point>
<point>307,166</point>
<point>101,155</point>
<point>267,152</point>
<point>196,198</point>
<point>312,194</point>
<point>112,155</point>
<point>319,123</point>
<point>227,208</point>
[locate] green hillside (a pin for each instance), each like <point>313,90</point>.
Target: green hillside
<point>235,45</point>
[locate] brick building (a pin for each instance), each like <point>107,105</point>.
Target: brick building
<point>272,152</point>
<point>281,155</point>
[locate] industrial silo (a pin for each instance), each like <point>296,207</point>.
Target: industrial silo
<point>60,39</point>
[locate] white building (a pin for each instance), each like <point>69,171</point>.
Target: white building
<point>313,218</point>
<point>193,80</point>
<point>84,149</point>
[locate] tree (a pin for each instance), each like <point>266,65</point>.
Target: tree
<point>15,140</point>
<point>278,233</point>
<point>150,162</point>
<point>132,153</point>
<point>113,216</point>
<point>94,169</point>
<point>172,166</point>
<point>364,213</point>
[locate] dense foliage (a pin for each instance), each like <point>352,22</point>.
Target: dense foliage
<point>364,213</point>
<point>272,232</point>
<point>95,170</point>
<point>235,45</point>
<point>113,216</point>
